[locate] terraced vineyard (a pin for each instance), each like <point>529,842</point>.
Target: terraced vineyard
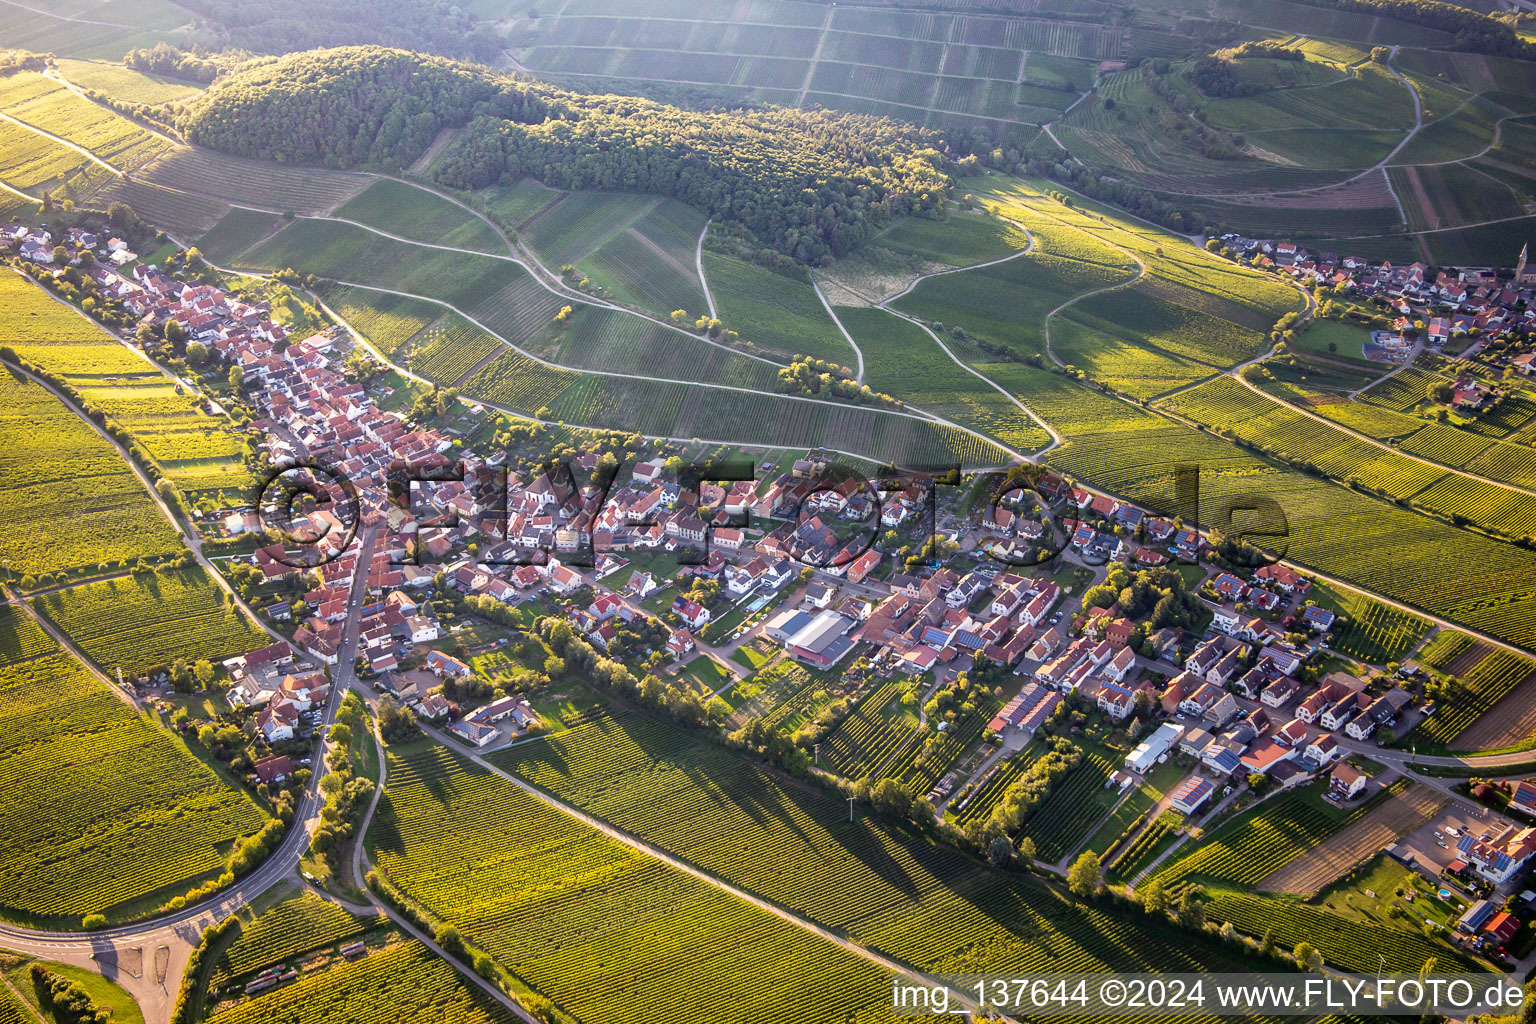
<point>650,263</point>
<point>399,208</point>
<point>989,793</point>
<point>1255,843</point>
<point>1227,405</point>
<point>922,902</point>
<point>70,500</point>
<point>901,360</point>
<point>125,83</point>
<point>872,736</point>
<point>148,620</point>
<point>512,205</point>
<point>618,342</point>
<point>296,925</point>
<point>678,410</point>
<point>387,321</point>
<point>1478,689</point>
<point>404,983</point>
<point>102,808</point>
<point>774,311</point>
<point>34,163</point>
<point>1129,368</point>
<point>958,240</point>
<point>1149,314</point>
<point>236,231</point>
<point>217,178</point>
<point>1071,811</point>
<point>580,222</point>
<point>1378,633</point>
<point>450,348</point>
<point>22,639</point>
<point>514,380</point>
<point>955,71</point>
<point>197,451</point>
<point>1006,304</point>
<point>600,929</point>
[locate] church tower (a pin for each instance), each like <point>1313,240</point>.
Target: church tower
<point>1524,275</point>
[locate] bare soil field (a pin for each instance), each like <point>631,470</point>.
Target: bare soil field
<point>1463,662</point>
<point>1310,873</point>
<point>1509,722</point>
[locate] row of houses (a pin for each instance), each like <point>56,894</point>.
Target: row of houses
<point>1478,298</point>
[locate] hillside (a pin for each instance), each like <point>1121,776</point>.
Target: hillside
<point>809,183</point>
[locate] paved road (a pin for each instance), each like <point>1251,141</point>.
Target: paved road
<point>1377,442</point>
<point>357,876</point>
<point>180,930</point>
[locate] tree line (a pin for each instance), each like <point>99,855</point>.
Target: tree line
<point>280,26</point>
<point>810,184</point>
<point>1473,30</point>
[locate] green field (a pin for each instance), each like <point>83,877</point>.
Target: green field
<point>1254,844</point>
<point>1478,689</point>
<point>903,361</point>
<point>924,903</point>
<point>70,500</point>
<point>125,83</point>
<point>117,27</point>
<point>987,71</point>
<point>597,927</point>
<point>105,812</point>
<point>404,983</point>
<point>197,451</point>
<point>1224,404</point>
<point>413,212</point>
<point>581,222</point>
<point>290,928</point>
<point>43,103</point>
<point>387,321</point>
<point>511,205</point>
<point>958,240</point>
<point>236,231</point>
<point>1125,449</point>
<point>649,262</point>
<point>148,620</point>
<point>1072,810</point>
<point>773,311</point>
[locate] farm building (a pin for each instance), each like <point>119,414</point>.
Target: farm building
<point>1153,747</point>
<point>1190,794</point>
<point>822,642</point>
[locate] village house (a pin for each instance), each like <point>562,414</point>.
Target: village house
<point>1346,781</point>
